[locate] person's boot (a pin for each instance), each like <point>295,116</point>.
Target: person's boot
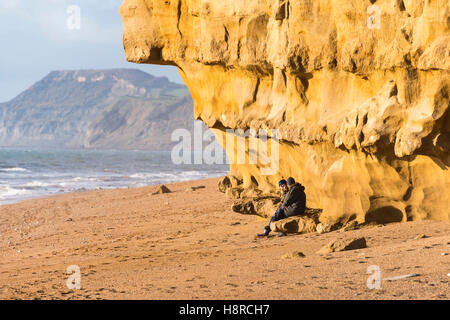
<point>266,232</point>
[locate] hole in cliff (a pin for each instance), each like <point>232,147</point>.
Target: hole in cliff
<point>332,64</point>
<point>407,58</point>
<point>156,57</point>
<point>155,54</point>
<point>385,214</point>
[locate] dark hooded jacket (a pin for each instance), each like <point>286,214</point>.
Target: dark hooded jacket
<point>295,201</point>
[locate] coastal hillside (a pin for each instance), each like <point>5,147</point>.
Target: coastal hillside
<point>107,109</point>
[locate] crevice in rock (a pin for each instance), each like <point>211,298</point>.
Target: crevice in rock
<point>226,36</point>
<point>239,49</point>
<point>255,92</point>
<point>179,17</point>
<point>284,77</point>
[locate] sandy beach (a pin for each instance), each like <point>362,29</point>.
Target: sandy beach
<point>130,244</point>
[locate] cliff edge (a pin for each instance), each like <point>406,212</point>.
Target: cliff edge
<point>358,92</point>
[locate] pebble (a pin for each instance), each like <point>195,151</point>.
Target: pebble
<point>444,254</point>
<point>292,255</point>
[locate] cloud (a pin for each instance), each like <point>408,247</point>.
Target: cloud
<point>9,4</point>
<point>100,20</point>
<point>37,40</point>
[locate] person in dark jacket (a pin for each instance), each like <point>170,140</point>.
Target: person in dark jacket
<point>293,203</point>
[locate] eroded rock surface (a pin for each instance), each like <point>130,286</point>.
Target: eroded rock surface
<point>294,224</point>
<point>358,91</point>
<point>342,245</point>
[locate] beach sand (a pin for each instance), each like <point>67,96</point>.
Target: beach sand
<point>130,244</point>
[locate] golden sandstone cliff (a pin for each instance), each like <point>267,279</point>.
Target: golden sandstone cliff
<point>357,90</point>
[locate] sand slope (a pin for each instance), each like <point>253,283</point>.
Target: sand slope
<point>130,244</point>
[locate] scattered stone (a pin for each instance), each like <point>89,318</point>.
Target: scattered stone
<point>224,184</point>
<point>228,182</point>
<point>323,228</point>
<point>292,255</point>
<point>161,189</point>
<point>410,275</point>
<point>420,236</point>
<point>235,181</point>
<point>343,245</point>
<point>444,254</point>
<point>70,219</point>
<point>265,206</point>
<point>234,193</point>
<point>251,193</point>
<point>295,224</point>
<point>243,206</point>
<point>352,225</point>
<point>194,188</point>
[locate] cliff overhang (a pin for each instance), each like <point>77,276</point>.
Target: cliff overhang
<point>358,91</point>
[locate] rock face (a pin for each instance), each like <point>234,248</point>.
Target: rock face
<point>355,92</point>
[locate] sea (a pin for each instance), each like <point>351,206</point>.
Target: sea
<point>27,173</point>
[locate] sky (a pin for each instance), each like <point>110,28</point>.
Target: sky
<point>40,36</point>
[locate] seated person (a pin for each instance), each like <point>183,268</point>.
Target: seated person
<point>293,203</point>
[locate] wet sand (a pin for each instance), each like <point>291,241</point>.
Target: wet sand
<point>130,244</point>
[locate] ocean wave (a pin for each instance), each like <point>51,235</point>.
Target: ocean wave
<point>89,179</point>
<point>8,192</point>
<point>14,170</point>
<point>38,185</point>
<point>34,184</point>
<point>146,175</point>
